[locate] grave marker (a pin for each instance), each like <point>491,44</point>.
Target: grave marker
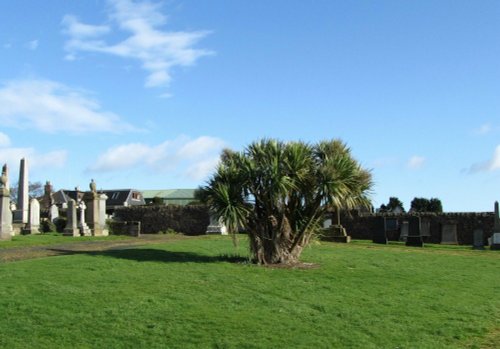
<point>414,233</point>
<point>449,234</point>
<point>478,240</point>
<point>378,234</point>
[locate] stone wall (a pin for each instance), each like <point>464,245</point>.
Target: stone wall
<point>361,227</point>
<point>189,220</point>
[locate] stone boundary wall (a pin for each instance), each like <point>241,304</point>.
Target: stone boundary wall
<point>189,220</point>
<point>362,226</point>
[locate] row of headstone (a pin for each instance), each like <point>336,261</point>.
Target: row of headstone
<point>87,216</point>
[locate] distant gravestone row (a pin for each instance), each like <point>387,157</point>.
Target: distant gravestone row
<point>414,230</point>
<point>90,210</point>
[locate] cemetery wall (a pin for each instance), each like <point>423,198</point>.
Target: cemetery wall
<point>362,226</point>
<point>189,220</point>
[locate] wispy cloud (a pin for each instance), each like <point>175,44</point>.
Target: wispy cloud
<point>4,140</point>
<point>158,51</point>
<point>415,162</point>
<point>52,107</point>
<point>487,166</point>
<point>12,155</point>
<point>483,129</point>
<point>193,158</point>
<point>32,45</point>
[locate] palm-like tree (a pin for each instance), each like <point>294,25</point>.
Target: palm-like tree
<point>279,192</point>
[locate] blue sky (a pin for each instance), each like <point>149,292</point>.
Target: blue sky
<point>146,94</point>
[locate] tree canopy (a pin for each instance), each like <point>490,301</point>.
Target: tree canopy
<point>426,205</point>
<point>278,192</point>
<point>393,204</point>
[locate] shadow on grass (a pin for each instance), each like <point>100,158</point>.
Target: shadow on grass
<point>153,255</point>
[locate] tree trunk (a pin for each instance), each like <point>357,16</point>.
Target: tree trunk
<point>277,251</point>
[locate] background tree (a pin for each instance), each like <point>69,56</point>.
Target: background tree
<point>394,203</point>
<point>157,201</point>
<point>426,205</point>
<point>279,192</point>
<point>35,190</point>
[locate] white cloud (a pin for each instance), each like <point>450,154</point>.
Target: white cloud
<point>32,45</point>
<point>491,165</point>
<point>157,50</point>
<point>4,140</point>
<point>75,29</point>
<point>52,107</point>
<point>484,129</point>
<point>192,158</point>
<point>415,162</point>
<point>11,156</point>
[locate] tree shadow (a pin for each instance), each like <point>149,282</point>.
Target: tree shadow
<point>154,255</point>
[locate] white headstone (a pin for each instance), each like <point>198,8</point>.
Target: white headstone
<point>53,213</point>
<point>33,226</point>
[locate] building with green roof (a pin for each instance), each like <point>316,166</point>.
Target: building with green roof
<point>170,196</point>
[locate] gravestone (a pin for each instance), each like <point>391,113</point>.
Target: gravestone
<point>22,213</point>
<point>327,223</point>
<point>6,231</point>
<point>378,234</point>
<point>53,213</point>
<point>425,228</point>
<point>495,237</point>
<point>102,215</point>
<point>216,226</point>
<point>391,224</point>
<point>33,226</point>
<point>71,224</point>
<point>95,214</point>
<point>414,233</point>
<point>449,234</point>
<point>478,243</point>
<point>405,228</point>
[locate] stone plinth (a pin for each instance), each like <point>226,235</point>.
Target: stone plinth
<point>6,231</point>
<point>95,209</point>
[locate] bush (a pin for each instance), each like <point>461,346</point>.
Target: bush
<point>60,224</point>
<point>47,226</point>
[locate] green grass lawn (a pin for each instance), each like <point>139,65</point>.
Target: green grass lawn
<point>196,293</point>
<point>52,239</point>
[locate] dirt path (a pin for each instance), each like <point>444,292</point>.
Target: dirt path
<point>20,253</point>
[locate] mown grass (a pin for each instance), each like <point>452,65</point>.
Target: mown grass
<point>52,239</point>
<point>200,293</point>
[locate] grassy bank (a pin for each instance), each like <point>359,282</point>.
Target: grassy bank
<point>197,293</point>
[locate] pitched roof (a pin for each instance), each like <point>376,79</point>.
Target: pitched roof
<point>170,194</point>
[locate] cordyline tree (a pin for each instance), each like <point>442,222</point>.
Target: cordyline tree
<point>279,193</point>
